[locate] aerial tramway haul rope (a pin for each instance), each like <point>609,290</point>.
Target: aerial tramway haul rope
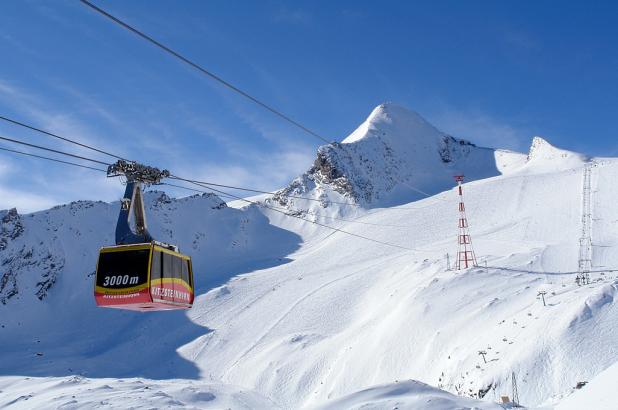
<point>202,184</point>
<point>226,83</point>
<point>128,168</point>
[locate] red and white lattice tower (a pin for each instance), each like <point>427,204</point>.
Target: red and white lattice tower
<point>465,252</point>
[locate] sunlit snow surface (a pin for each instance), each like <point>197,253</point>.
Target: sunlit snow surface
<point>599,394</point>
<point>290,315</point>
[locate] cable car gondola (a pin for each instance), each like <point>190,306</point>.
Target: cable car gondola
<point>139,273</point>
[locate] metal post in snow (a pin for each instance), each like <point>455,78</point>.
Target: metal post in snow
<point>483,353</point>
<point>542,295</point>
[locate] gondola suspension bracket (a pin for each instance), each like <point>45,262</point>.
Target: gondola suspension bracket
<point>132,203</point>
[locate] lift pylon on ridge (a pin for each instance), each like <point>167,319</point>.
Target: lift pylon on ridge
<point>466,257</point>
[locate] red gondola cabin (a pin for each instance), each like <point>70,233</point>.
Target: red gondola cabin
<point>145,276</point>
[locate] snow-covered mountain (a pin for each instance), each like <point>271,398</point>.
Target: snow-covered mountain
<point>290,315</point>
<point>395,156</point>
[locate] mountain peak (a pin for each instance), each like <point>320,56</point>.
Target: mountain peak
<point>545,155</point>
<point>393,150</point>
<point>540,147</point>
<point>388,120</point>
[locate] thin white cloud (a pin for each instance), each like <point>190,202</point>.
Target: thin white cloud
<point>482,129</point>
<point>24,201</point>
<point>271,168</point>
<point>265,173</point>
<point>37,111</point>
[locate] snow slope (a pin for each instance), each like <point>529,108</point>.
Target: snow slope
<point>78,392</point>
<point>291,315</point>
<point>598,394</point>
<point>405,395</point>
<point>367,314</point>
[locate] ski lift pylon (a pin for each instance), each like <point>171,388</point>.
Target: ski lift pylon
<point>139,273</point>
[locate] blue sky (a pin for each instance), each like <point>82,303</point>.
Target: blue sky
<point>496,73</point>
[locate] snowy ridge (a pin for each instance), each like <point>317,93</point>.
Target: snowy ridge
<point>295,316</point>
<point>387,160</point>
<point>545,157</point>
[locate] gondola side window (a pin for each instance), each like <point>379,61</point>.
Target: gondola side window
<point>155,268</point>
<point>123,269</point>
<point>185,272</point>
<point>168,265</point>
<point>177,267</point>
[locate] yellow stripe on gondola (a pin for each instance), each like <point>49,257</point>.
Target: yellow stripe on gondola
<point>177,254</point>
<point>167,281</point>
<point>124,248</point>
<point>108,291</point>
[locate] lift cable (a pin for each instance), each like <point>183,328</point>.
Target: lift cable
<point>52,159</point>
<point>353,220</point>
<point>261,192</point>
<point>308,212</point>
<point>280,210</point>
<point>200,183</point>
<point>228,195</point>
<point>21,124</point>
<point>173,177</point>
<point>53,150</point>
<point>204,71</point>
<point>221,80</point>
<point>196,190</point>
<point>287,213</point>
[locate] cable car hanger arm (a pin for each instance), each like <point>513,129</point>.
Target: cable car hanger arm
<point>133,202</point>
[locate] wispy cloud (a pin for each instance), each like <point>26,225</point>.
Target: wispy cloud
<point>24,201</point>
<point>264,173</point>
<point>37,110</point>
<point>30,184</point>
<point>482,129</point>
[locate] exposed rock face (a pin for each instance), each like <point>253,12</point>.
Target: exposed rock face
<point>452,149</point>
<point>21,259</point>
<point>394,148</point>
<point>11,227</point>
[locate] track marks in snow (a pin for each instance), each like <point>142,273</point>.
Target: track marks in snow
<point>290,310</point>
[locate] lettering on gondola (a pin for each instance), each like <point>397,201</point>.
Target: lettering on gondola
<point>120,270</point>
<point>120,280</point>
<point>122,296</point>
<point>170,293</point>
